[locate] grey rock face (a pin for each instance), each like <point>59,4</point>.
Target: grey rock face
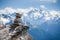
<point>17,31</point>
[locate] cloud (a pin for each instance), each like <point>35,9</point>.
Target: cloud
<point>42,6</point>
<point>19,10</point>
<point>31,15</point>
<point>52,13</point>
<point>52,1</point>
<point>58,14</point>
<point>47,18</point>
<point>8,10</point>
<point>4,20</point>
<point>2,11</point>
<point>36,15</point>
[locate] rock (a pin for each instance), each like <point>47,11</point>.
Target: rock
<point>16,31</point>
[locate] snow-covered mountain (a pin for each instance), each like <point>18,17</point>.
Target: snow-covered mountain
<point>32,16</point>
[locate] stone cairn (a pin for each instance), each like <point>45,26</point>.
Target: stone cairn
<point>15,31</point>
<point>19,30</point>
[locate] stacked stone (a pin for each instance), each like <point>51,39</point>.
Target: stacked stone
<point>21,30</point>
<point>18,18</point>
<point>17,21</point>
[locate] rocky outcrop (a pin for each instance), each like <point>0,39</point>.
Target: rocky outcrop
<point>16,31</point>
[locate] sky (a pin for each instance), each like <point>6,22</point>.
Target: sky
<point>51,4</point>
